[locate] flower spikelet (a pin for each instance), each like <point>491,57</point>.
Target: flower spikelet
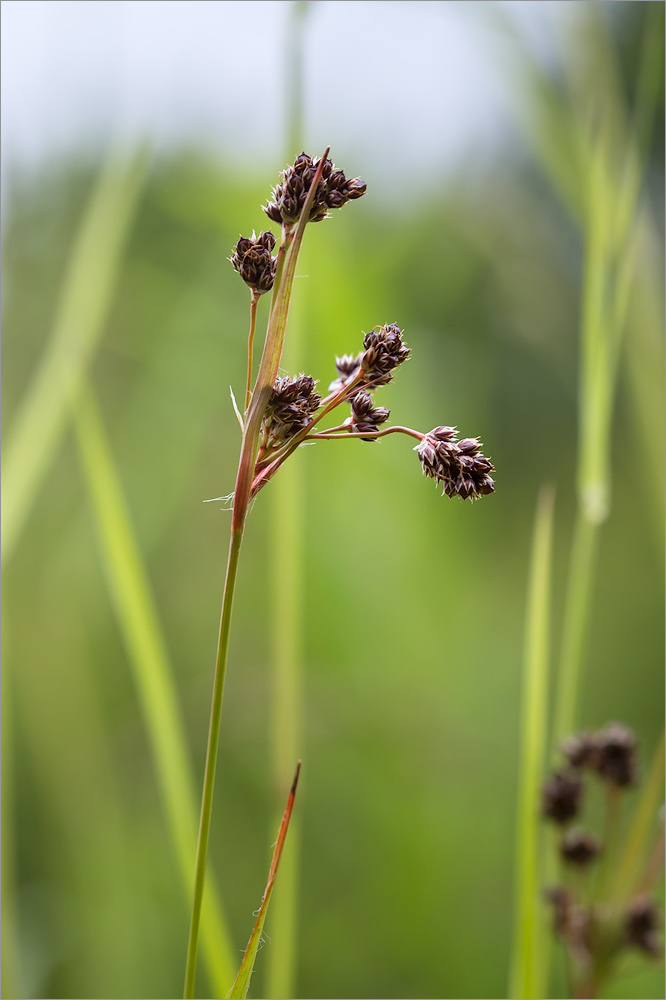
<point>561,796</point>
<point>615,759</point>
<point>252,259</point>
<point>364,416</point>
<point>347,367</point>
<point>290,408</point>
<point>458,465</point>
<point>291,191</point>
<point>384,351</point>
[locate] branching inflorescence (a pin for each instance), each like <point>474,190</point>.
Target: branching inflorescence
<point>595,920</point>
<point>294,409</point>
<point>281,413</point>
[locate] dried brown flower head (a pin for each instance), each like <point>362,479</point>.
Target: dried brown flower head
<point>642,923</point>
<point>289,194</point>
<point>253,261</point>
<point>581,750</point>
<point>579,848</point>
<point>458,465</point>
<point>384,351</point>
<point>364,416</point>
<point>561,796</point>
<point>615,759</point>
<point>290,407</point>
<point>347,367</point>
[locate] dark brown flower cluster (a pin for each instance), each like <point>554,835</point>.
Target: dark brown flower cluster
<point>611,753</point>
<point>458,465</point>
<point>288,196</point>
<point>600,930</point>
<point>290,408</point>
<point>253,261</point>
<point>365,417</point>
<point>384,351</point>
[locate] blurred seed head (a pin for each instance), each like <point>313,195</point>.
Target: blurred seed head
<point>347,367</point>
<point>570,922</point>
<point>561,796</point>
<point>253,261</point>
<point>581,750</point>
<point>641,926</point>
<point>615,759</point>
<point>289,194</point>
<point>579,848</point>
<point>384,351</point>
<point>290,408</point>
<point>458,465</point>
<point>364,416</point>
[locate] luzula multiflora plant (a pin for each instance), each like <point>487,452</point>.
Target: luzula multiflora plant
<point>280,413</point>
<point>595,926</point>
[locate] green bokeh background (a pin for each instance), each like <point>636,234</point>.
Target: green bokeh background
<point>414,604</point>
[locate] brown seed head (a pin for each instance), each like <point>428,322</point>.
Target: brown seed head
<point>616,754</point>
<point>458,465</point>
<point>364,416</point>
<point>384,351</point>
<point>252,259</point>
<point>581,750</point>
<point>291,191</point>
<point>561,796</point>
<point>641,926</point>
<point>347,366</point>
<point>290,407</point>
<point>579,848</point>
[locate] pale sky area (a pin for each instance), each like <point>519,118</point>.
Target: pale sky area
<point>414,88</point>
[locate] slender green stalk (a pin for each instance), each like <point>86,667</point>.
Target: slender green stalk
<point>132,598</point>
<point>87,289</point>
<point>10,970</point>
<point>268,368</point>
<point>211,757</point>
<point>574,630</point>
<point>254,301</point>
<point>527,969</point>
<point>287,571</point>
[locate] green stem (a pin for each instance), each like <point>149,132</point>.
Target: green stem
<point>211,759</point>
<point>268,368</point>
<point>576,616</point>
<point>527,966</point>
<point>250,343</point>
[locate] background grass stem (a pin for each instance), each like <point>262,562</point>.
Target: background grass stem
<point>131,595</point>
<point>527,968</point>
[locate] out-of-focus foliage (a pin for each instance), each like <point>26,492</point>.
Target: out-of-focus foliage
<point>415,604</point>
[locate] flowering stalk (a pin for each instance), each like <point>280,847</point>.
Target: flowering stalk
<point>281,413</point>
<point>267,371</point>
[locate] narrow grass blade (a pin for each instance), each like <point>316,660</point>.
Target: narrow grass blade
<point>94,262</point>
<point>131,595</point>
<point>242,983</point>
<point>527,969</point>
<point>10,970</point>
<point>644,824</point>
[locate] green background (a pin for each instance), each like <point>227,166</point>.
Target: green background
<point>414,604</point>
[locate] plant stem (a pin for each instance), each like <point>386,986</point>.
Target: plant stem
<point>330,436</point>
<point>268,368</point>
<point>254,301</point>
<point>211,758</point>
<point>527,967</point>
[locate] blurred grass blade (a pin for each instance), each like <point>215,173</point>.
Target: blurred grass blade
<point>287,574</point>
<point>91,274</point>
<point>242,984</point>
<point>10,970</point>
<point>131,595</point>
<point>644,823</point>
<point>527,969</point>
